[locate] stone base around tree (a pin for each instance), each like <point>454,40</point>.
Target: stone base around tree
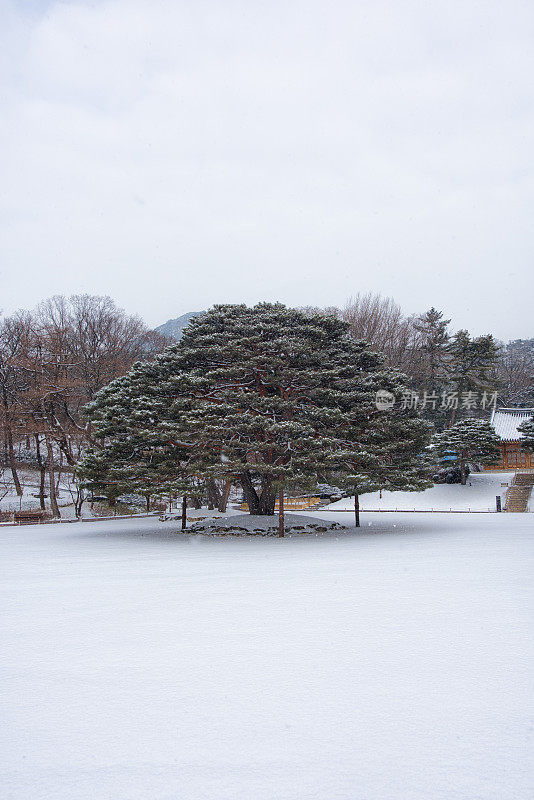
<point>252,525</point>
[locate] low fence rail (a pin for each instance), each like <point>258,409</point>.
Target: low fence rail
<point>292,504</point>
<point>52,521</point>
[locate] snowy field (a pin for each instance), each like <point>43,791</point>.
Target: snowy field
<point>477,495</point>
<point>390,664</point>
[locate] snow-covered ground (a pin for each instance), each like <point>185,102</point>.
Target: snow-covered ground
<point>477,495</point>
<point>389,664</point>
<point>29,479</point>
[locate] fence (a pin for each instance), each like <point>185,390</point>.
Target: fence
<point>292,503</point>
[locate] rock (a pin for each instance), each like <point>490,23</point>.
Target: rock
<point>246,524</point>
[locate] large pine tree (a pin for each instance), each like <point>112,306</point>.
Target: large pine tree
<point>268,397</point>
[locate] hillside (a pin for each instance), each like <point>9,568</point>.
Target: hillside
<point>173,328</point>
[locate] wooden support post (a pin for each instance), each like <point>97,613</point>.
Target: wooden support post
<point>357,509</point>
<point>281,514</point>
<point>184,512</point>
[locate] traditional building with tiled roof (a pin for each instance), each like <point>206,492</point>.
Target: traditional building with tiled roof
<point>505,422</point>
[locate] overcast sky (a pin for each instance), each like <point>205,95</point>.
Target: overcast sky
<point>177,154</point>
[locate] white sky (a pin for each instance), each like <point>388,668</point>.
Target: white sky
<point>177,154</point>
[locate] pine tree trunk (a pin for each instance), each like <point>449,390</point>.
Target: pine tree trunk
<point>214,495</point>
<point>225,494</point>
<point>463,472</point>
<point>281,514</point>
<point>357,509</point>
<point>251,496</point>
<point>267,497</point>
<point>263,504</point>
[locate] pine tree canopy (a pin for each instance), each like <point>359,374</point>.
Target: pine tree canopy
<point>472,362</point>
<point>471,440</point>
<point>526,429</point>
<point>267,396</point>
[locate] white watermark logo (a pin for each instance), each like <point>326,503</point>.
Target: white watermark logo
<point>384,400</point>
<point>445,401</point>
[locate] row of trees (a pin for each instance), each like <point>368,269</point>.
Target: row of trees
<point>438,360</point>
<point>52,362</point>
<point>178,421</point>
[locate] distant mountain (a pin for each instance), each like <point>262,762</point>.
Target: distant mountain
<point>173,328</point>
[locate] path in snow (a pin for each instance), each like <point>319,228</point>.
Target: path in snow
<point>392,664</point>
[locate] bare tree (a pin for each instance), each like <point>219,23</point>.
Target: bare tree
<point>516,372</point>
<point>380,321</point>
<point>13,336</point>
<point>51,364</point>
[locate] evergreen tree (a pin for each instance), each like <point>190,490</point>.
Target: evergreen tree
<point>472,363</point>
<point>526,429</point>
<point>431,368</point>
<point>266,396</point>
<point>434,338</point>
<point>471,440</point>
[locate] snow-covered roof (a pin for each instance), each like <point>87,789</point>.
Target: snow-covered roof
<point>505,422</point>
